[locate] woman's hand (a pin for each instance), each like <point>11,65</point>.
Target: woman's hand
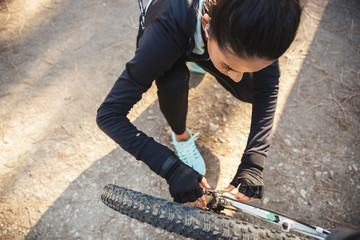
<point>239,196</point>
<point>185,183</point>
<point>201,200</point>
<point>250,182</point>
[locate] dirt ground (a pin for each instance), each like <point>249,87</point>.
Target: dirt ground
<point>59,59</point>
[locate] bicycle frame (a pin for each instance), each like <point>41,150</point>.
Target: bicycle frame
<point>284,222</point>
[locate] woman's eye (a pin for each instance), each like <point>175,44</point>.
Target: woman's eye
<point>226,68</point>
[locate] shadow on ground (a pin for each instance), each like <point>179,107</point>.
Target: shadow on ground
<point>79,212</point>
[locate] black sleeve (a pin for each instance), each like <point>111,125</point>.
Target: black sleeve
<point>265,92</point>
<point>157,52</point>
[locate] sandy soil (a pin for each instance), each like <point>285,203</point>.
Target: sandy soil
<point>59,59</point>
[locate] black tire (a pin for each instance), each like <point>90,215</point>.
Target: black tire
<point>186,221</point>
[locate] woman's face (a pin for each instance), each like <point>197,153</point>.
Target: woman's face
<point>232,65</point>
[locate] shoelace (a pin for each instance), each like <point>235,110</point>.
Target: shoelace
<point>187,151</point>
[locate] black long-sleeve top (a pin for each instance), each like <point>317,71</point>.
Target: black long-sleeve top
<point>168,36</point>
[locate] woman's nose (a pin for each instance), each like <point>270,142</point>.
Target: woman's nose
<point>235,76</point>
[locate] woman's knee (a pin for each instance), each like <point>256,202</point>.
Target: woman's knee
<point>242,90</point>
<point>174,84</point>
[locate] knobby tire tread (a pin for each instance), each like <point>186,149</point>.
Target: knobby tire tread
<point>183,220</point>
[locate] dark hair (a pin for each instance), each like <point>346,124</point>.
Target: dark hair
<point>254,28</point>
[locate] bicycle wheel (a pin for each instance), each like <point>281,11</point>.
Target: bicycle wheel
<point>183,220</point>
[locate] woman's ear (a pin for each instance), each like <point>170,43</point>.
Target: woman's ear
<point>205,23</point>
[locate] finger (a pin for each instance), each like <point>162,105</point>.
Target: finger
<point>229,188</point>
<point>241,197</point>
<point>193,203</point>
<point>204,183</point>
<point>187,203</point>
<point>202,202</point>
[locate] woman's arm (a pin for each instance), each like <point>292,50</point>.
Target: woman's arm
<point>266,87</point>
<point>249,174</point>
<point>157,52</point>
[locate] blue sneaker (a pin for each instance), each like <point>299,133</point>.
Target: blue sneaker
<point>188,152</point>
<point>193,67</point>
